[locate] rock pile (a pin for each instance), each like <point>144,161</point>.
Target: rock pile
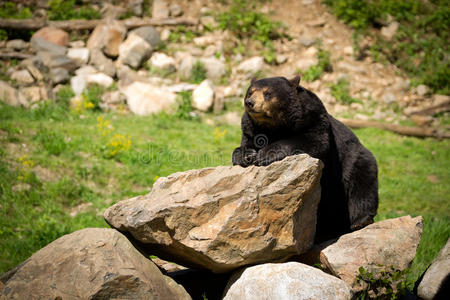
<point>224,220</point>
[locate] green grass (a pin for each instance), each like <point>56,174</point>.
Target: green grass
<point>41,183</point>
<point>324,65</point>
<point>420,46</point>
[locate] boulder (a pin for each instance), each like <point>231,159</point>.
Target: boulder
<point>35,94</point>
<point>203,96</point>
<point>388,32</point>
<point>102,63</point>
<point>22,76</point>
<point>163,62</point>
<point>149,34</point>
<point>53,60</point>
<point>146,99</point>
<point>252,65</point>
<point>59,75</point>
<point>387,243</point>
<point>107,37</point>
<point>53,35</point>
<point>93,263</point>
<point>160,9</point>
<point>185,67</point>
<point>226,217</point>
<point>134,51</point>
<point>437,276</point>
<point>100,79</point>
<point>286,281</point>
<point>39,44</point>
<point>175,10</point>
<point>80,55</point>
<point>215,69</point>
<point>11,96</point>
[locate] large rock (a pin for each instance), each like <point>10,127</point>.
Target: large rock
<point>286,281</point>
<point>39,44</point>
<point>134,51</point>
<point>54,35</point>
<point>11,96</point>
<point>437,276</point>
<point>226,217</point>
<point>53,60</point>
<point>107,37</point>
<point>91,263</point>
<point>252,65</point>
<point>102,63</point>
<point>146,99</point>
<point>215,69</point>
<point>149,34</point>
<point>160,9</point>
<point>163,62</point>
<point>388,243</point>
<point>22,76</point>
<point>185,67</point>
<point>203,96</point>
<point>80,55</point>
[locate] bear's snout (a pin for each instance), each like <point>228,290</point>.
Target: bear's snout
<point>249,102</point>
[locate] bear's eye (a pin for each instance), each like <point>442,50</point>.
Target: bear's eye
<point>267,94</point>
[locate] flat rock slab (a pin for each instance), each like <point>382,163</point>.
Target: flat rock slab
<point>287,281</point>
<point>226,217</point>
<point>93,263</point>
<point>388,243</point>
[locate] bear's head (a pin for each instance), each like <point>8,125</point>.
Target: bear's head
<point>266,99</point>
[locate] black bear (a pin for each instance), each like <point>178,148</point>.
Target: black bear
<point>282,118</point>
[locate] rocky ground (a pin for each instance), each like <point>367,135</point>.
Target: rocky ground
<point>144,68</point>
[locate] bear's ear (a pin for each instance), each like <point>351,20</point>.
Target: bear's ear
<point>252,80</point>
<point>294,82</point>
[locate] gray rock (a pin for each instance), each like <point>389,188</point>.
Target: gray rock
<point>80,55</point>
<point>388,243</point>
<point>185,67</point>
<point>53,35</point>
<point>163,62</point>
<point>160,9</point>
<point>93,263</point>
<point>35,94</point>
<point>102,63</point>
<point>422,90</point>
<point>53,60</point>
<point>149,34</point>
<point>39,45</point>
<point>215,69</point>
<point>434,279</point>
<point>307,41</point>
<point>145,99</point>
<point>287,281</point>
<point>11,96</point>
<point>17,45</point>
<point>252,65</point>
<point>22,76</point>
<point>136,6</point>
<point>389,98</point>
<point>59,75</point>
<point>175,10</point>
<point>388,32</point>
<point>226,217</point>
<point>134,51</point>
<point>281,59</point>
<point>203,96</point>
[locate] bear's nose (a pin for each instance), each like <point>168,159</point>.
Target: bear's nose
<point>249,102</point>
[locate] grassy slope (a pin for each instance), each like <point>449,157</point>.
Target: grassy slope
<point>78,172</point>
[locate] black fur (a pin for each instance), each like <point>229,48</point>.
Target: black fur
<point>301,124</point>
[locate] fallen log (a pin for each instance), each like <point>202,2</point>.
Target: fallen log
<point>399,129</point>
<point>431,110</point>
<point>14,54</point>
<point>34,24</point>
